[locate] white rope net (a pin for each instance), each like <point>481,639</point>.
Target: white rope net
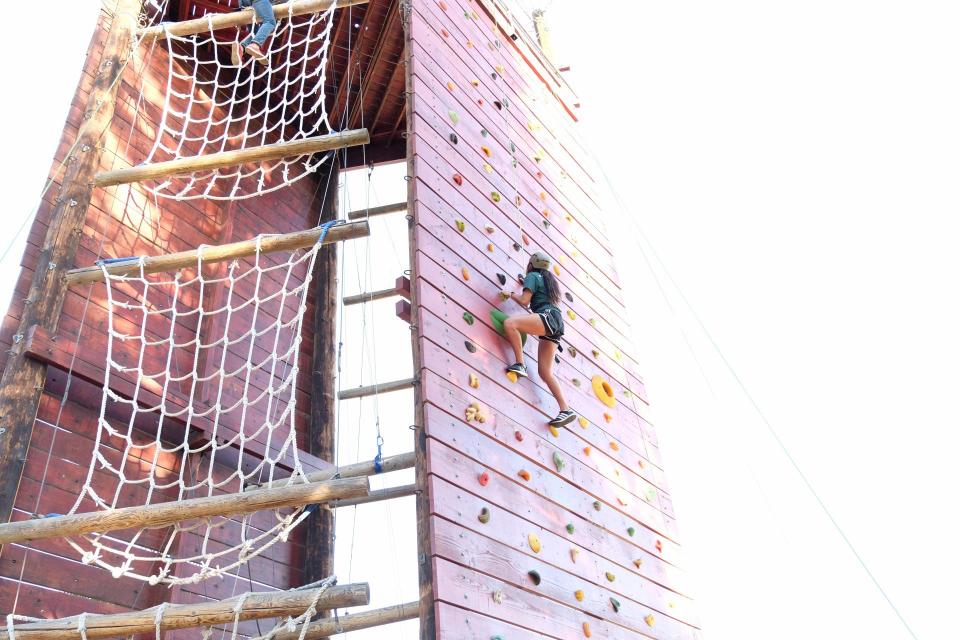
<point>212,106</point>
<point>211,350</point>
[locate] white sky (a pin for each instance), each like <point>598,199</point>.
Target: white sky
<point>795,166</point>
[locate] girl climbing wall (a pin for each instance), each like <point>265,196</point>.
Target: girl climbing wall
<point>541,294</point>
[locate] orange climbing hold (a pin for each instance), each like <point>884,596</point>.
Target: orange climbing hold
<point>451,86</point>
<point>603,391</point>
<point>586,630</point>
<point>524,474</point>
<point>465,273</point>
<point>512,376</point>
<point>637,563</point>
<point>490,247</point>
<point>607,417</point>
<point>614,445</point>
<point>445,33</point>
<point>587,450</point>
<point>486,151</point>
<point>442,5</point>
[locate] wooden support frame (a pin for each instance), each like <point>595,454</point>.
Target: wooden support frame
<point>355,622</point>
<point>385,387</point>
<point>174,261</point>
<point>378,495</point>
<point>222,159</point>
<point>361,214</point>
<point>241,18</point>
<point>254,606</point>
<point>164,514</point>
<point>23,378</point>
<point>400,288</point>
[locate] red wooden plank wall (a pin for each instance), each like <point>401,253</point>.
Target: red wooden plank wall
<point>47,579</point>
<point>609,562</point>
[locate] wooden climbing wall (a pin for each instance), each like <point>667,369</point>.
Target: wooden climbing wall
<point>581,539</point>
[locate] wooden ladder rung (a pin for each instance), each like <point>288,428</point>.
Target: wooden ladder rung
<point>211,161</point>
<point>168,513</point>
<point>384,387</point>
<point>240,18</point>
<point>400,288</point>
<point>362,214</point>
<point>355,621</point>
<point>174,261</point>
<point>273,604</point>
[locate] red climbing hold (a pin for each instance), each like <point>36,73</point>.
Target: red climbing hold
<point>457,178</point>
<point>443,5</point>
<point>484,479</point>
<point>659,546</point>
<point>518,435</point>
<point>446,34</point>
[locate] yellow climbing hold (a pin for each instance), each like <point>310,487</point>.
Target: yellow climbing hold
<point>610,577</point>
<point>487,168</point>
<point>500,69</point>
<point>554,431</point>
<point>512,376</point>
<point>495,196</point>
<point>593,322</point>
<point>490,247</point>
<point>603,391</point>
<point>543,196</point>
<point>583,422</point>
<point>534,541</point>
<point>475,83</point>
<point>596,353</point>
<point>571,314</point>
<point>556,269</point>
<point>578,594</point>
<point>474,381</point>
<point>649,619</point>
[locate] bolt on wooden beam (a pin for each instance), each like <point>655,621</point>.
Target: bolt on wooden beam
<point>254,606</point>
<point>220,253</point>
<point>167,513</point>
<point>385,387</point>
<point>222,159</point>
<point>241,18</point>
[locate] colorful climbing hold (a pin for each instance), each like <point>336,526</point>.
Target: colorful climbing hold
<point>593,322</point>
<point>489,229</point>
<point>458,179</point>
<point>490,247</point>
<point>465,273</point>
<point>486,151</point>
<point>609,576</point>
<point>573,554</point>
<point>483,479</point>
<point>587,450</point>
<point>578,594</point>
<point>454,139</point>
<point>615,604</point>
<point>554,431</point>
<point>568,296</point>
<point>603,391</point>
<point>583,422</point>
<point>572,351</point>
<point>495,196</point>
<point>534,576</point>
<point>607,418</point>
<point>526,240</point>
<point>472,348</point>
<point>516,246</point>
<point>475,82</point>
<point>586,630</point>
<point>502,279</point>
<point>444,32</point>
<point>571,314</point>
<point>487,167</point>
<point>596,353</point>
<point>500,69</point>
<point>498,104</point>
<point>534,541</point>
<point>442,5</point>
<point>469,44</point>
<point>480,101</point>
<point>569,527</point>
<point>637,563</point>
<point>558,461</point>
<point>461,225</point>
<point>497,597</point>
<point>504,296</point>
<point>451,86</point>
<point>518,435</point>
<point>556,269</point>
<point>631,531</point>
<point>468,318</point>
<point>523,473</point>
<point>659,546</point>
<point>546,213</point>
<point>649,619</point>
<point>614,445</point>
<point>512,376</point>
<point>596,505</point>
<point>575,382</point>
<point>474,381</point>
<point>484,516</point>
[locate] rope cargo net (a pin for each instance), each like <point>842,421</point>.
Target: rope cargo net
<point>213,106</point>
<point>229,336</point>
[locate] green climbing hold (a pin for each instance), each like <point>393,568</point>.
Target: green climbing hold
<point>454,118</point>
<point>496,637</point>
<point>484,516</point>
<point>496,318</point>
<point>615,604</point>
<point>468,318</point>
<point>461,226</point>
<point>558,462</point>
<point>535,576</point>
<point>596,505</point>
<point>631,531</point>
<point>569,527</point>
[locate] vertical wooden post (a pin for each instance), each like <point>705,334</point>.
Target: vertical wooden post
<point>23,378</point>
<point>323,387</point>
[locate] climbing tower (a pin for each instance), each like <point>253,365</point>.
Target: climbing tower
<point>173,354</point>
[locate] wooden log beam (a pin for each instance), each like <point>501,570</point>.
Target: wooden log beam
<point>159,515</point>
<point>361,214</point>
<point>400,288</point>
<point>174,261</point>
<point>355,622</point>
<point>255,606</point>
<point>322,433</point>
<point>357,470</point>
<point>377,495</point>
<point>241,18</point>
<point>23,378</point>
<point>222,159</point>
<point>385,387</point>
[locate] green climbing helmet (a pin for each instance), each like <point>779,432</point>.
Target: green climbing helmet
<point>540,260</point>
